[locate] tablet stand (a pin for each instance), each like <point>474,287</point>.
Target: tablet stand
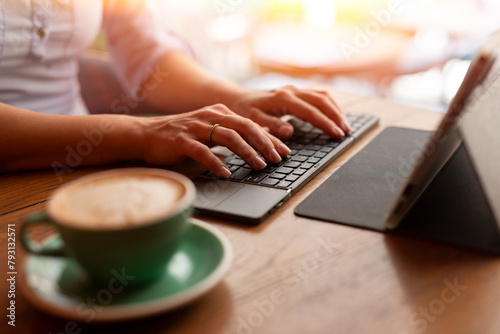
<point>453,209</point>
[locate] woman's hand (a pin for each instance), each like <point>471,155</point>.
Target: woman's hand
<point>185,76</point>
<point>173,138</point>
<point>316,107</point>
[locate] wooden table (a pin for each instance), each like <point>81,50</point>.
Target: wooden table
<point>297,275</point>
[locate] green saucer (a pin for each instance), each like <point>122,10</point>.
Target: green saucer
<point>59,286</point>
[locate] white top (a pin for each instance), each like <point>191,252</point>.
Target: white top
<point>41,40</point>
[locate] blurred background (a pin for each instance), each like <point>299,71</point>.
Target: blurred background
<point>411,51</point>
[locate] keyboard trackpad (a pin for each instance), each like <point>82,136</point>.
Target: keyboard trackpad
<point>246,200</point>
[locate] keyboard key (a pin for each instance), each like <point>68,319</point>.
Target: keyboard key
<point>306,127</point>
<point>276,165</point>
<point>292,164</point>
<point>236,161</point>
<point>277,176</point>
<point>321,142</point>
<point>234,168</point>
<point>306,166</point>
<point>270,182</point>
<point>304,141</point>
<point>312,160</point>
<point>307,153</point>
<point>256,177</point>
<point>281,163</point>
<point>311,135</point>
<point>284,184</point>
<point>267,169</point>
<point>313,147</point>
<point>284,170</point>
<point>296,122</point>
<point>299,171</point>
<point>299,158</point>
<point>292,178</point>
<point>295,146</point>
<point>240,174</point>
<point>320,155</point>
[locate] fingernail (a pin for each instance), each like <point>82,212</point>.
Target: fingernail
<point>275,157</point>
<point>224,172</point>
<point>259,162</point>
<point>286,130</point>
<point>339,131</point>
<point>346,127</point>
<point>283,150</point>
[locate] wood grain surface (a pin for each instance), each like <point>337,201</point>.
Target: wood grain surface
<point>292,274</point>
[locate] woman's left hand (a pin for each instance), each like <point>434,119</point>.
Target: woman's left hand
<point>313,106</point>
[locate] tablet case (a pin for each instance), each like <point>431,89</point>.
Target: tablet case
<point>453,209</point>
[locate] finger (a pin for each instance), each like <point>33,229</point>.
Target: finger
<point>209,134</point>
<point>313,115</point>
<point>254,135</point>
<point>282,149</point>
<point>206,157</point>
<point>275,124</point>
<point>232,140</point>
<point>324,102</point>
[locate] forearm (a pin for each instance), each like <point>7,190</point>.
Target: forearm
<point>179,84</point>
<point>186,86</point>
<point>32,140</point>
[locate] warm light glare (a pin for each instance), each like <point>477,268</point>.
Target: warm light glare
<point>227,28</point>
<point>431,39</point>
<point>320,13</point>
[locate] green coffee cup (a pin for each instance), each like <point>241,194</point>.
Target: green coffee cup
<point>118,223</point>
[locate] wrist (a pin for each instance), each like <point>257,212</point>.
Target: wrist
<point>138,143</point>
<point>227,93</point>
<point>126,137</point>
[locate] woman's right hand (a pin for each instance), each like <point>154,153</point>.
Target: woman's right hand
<point>171,139</point>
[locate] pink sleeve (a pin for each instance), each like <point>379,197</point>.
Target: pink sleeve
<point>136,39</point>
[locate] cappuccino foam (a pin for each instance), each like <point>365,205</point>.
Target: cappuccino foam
<point>118,201</point>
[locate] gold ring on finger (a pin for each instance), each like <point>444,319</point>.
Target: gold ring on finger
<point>211,131</point>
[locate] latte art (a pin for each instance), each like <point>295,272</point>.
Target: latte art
<point>118,201</point>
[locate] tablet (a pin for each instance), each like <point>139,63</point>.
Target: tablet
<point>472,118</point>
